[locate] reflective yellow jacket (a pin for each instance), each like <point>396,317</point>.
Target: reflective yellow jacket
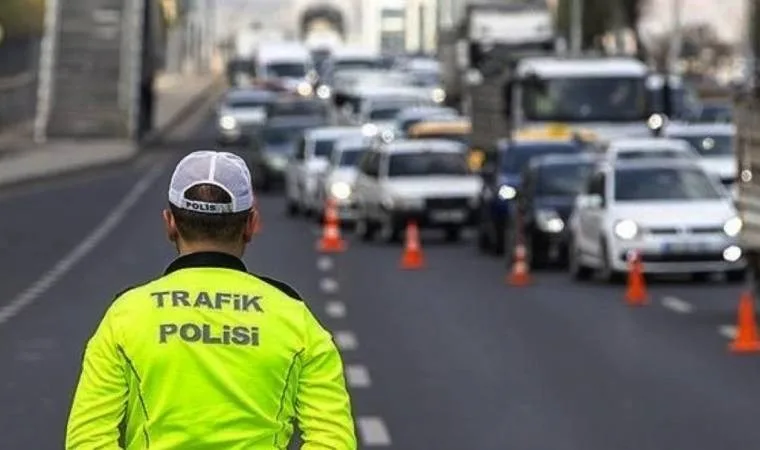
<point>210,357</point>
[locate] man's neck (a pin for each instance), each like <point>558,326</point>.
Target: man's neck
<point>186,248</point>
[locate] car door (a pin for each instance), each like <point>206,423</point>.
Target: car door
<point>366,182</point>
<point>302,169</point>
<point>593,225</point>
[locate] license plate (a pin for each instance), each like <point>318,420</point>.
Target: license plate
<point>448,216</point>
<point>684,247</point>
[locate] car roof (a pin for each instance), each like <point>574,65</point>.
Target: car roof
<point>421,146</point>
<point>654,163</point>
<point>253,94</point>
<point>582,67</point>
<point>701,129</point>
<point>648,144</point>
<point>352,142</point>
<point>332,132</point>
<point>350,52</point>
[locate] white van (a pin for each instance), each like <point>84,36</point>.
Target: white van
<point>288,63</point>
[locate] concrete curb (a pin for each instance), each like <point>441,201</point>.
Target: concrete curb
<point>157,136</point>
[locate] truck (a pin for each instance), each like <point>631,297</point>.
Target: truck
<point>476,51</point>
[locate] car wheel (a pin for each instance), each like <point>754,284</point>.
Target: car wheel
<point>606,272</point>
<point>576,268</point>
<point>736,276</point>
<point>453,234</point>
<point>291,208</point>
<point>364,228</point>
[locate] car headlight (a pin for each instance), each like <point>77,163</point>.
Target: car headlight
<point>369,129</point>
<point>277,161</point>
<point>304,89</point>
<point>227,123</point>
<point>549,221</point>
<point>340,190</point>
<point>626,229</point>
<point>324,92</point>
<point>733,227</point>
<point>507,192</point>
<point>387,136</point>
<point>439,95</point>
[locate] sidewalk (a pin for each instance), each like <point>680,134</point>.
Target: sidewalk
<point>21,160</point>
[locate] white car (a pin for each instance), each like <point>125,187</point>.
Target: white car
<point>671,211</point>
<point>339,180</point>
<point>715,144</point>
<point>307,163</point>
<point>240,113</point>
<point>426,181</point>
<point>379,109</point>
<point>627,149</point>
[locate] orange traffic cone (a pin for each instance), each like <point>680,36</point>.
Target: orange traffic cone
<point>746,340</point>
<point>412,258</point>
<point>636,293</point>
<point>331,241</point>
<point>520,274</point>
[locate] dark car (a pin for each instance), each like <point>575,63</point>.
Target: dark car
<point>312,109</point>
<point>550,185</point>
<point>272,147</point>
<point>502,178</point>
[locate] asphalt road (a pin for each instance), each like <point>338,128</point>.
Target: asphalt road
<point>447,357</point>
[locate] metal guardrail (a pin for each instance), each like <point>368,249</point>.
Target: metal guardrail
<point>18,99</point>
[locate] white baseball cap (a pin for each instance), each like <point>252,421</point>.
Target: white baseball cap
<point>223,169</point>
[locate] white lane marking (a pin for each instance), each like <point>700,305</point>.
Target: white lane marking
<point>358,376</point>
<point>325,263</point>
<point>345,340</point>
<point>335,309</point>
<point>727,331</point>
<point>373,431</point>
<point>62,267</point>
<point>328,285</point>
<point>677,305</point>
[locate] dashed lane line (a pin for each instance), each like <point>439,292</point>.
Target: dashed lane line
<point>675,304</point>
<point>335,309</point>
<point>727,331</point>
<point>357,376</point>
<point>62,267</point>
<point>345,340</point>
<point>373,432</point>
<point>328,286</point>
<point>325,264</point>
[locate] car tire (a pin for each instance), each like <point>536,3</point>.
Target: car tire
<point>577,270</point>
<point>736,276</point>
<point>453,234</point>
<point>291,208</point>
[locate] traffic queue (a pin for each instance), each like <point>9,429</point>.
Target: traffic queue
<point>381,144</point>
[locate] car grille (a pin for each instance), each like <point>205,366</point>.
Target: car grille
<point>677,257</point>
<point>447,203</point>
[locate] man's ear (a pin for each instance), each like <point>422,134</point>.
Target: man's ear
<point>252,226</point>
<point>170,225</point>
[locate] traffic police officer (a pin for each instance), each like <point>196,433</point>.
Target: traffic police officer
<point>209,356</point>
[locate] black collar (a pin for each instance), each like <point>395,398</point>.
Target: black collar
<point>206,259</point>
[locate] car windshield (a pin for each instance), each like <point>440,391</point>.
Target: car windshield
<point>453,137</point>
<point>516,158</point>
<point>426,79</point>
<point>323,147</point>
<point>711,145</point>
<point>586,99</point>
<point>629,154</point>
<point>352,64</point>
<point>351,157</point>
<point>427,163</point>
<point>279,136</point>
<point>298,109</point>
<point>246,104</point>
<point>664,183</point>
<point>384,113</point>
<point>562,180</point>
<point>286,70</point>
